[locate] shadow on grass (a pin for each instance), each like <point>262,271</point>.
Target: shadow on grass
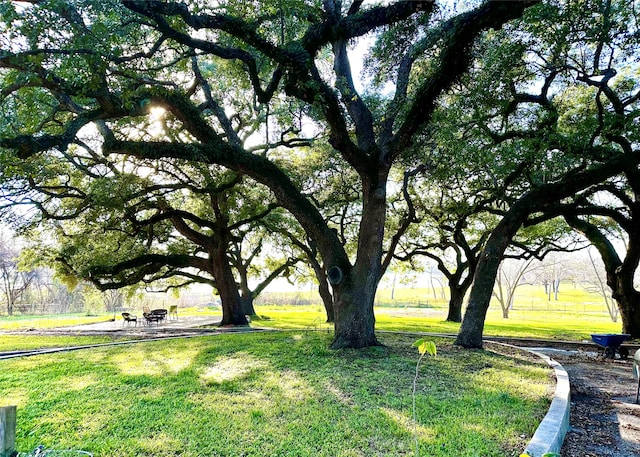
<point>274,394</point>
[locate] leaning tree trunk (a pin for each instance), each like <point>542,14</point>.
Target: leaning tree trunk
<point>620,273</point>
<point>470,334</point>
<point>620,280</point>
<point>624,291</point>
<point>629,306</point>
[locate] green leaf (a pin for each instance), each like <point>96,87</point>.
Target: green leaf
<point>426,347</point>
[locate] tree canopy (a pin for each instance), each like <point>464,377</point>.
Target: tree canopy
<point>110,64</point>
<point>562,120</point>
<point>254,86</point>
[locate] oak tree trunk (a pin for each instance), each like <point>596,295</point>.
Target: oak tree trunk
<point>323,289</point>
<point>246,302</point>
<point>455,303</point>
<point>470,333</point>
<point>354,317</point>
<point>327,301</point>
<point>620,273</point>
<point>354,295</point>
<point>232,310</point>
<point>628,301</point>
<point>620,280</point>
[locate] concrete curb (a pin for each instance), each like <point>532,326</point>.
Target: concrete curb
<point>551,432</point>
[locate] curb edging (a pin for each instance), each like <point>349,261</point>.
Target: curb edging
<point>550,434</point>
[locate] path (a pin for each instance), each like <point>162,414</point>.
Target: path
<point>182,324</point>
<point>605,420</point>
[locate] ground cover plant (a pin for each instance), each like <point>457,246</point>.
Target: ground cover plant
<point>275,394</point>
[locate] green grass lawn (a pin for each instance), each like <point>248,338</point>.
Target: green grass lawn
<point>574,316</point>
<point>25,340</point>
<point>24,322</point>
<point>571,297</point>
<point>521,323</point>
<point>277,394</point>
<point>287,394</point>
<point>29,342</point>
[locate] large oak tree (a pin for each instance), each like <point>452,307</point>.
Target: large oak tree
<point>614,207</point>
<point>565,118</point>
<point>165,222</point>
<point>68,65</point>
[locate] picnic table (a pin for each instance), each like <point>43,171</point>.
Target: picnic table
<point>155,315</point>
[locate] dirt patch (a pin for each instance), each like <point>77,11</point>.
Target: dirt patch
<point>605,421</point>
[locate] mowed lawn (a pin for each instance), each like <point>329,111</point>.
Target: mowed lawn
<point>559,325</point>
<point>574,316</point>
<point>275,394</point>
<point>286,394</point>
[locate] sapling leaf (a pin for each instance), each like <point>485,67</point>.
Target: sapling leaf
<point>426,347</point>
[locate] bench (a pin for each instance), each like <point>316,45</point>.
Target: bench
<point>636,371</point>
